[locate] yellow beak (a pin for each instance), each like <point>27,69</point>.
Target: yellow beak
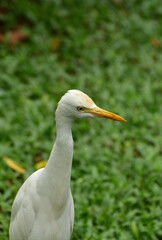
<point>99,112</point>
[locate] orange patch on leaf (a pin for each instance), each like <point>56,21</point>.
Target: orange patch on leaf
<point>13,165</point>
<point>14,37</point>
<point>155,42</point>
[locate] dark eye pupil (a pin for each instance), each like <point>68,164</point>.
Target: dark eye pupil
<point>80,108</point>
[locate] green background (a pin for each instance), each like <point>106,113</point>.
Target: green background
<point>110,50</point>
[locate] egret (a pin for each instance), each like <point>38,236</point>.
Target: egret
<point>43,208</point>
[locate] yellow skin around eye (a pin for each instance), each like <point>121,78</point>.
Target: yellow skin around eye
<point>80,108</point>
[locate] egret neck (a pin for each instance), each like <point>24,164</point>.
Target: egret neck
<point>58,168</point>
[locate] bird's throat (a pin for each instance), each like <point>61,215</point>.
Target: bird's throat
<point>59,164</point>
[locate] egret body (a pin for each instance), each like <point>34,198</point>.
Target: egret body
<point>43,208</point>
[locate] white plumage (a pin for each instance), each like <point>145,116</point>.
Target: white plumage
<point>43,208</point>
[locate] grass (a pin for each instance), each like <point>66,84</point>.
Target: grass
<point>112,51</point>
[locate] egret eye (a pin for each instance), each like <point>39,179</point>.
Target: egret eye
<point>80,108</point>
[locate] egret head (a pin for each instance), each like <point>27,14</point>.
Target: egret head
<point>76,104</point>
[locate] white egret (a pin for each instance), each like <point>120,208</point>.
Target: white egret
<point>43,208</point>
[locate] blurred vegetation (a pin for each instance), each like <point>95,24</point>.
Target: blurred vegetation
<point>112,51</point>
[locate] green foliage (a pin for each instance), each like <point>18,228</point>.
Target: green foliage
<point>112,51</point>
